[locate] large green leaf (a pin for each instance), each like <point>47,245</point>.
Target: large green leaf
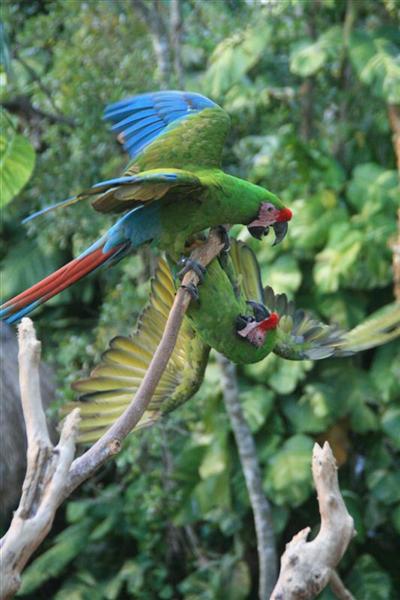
<point>257,404</point>
<point>17,160</point>
<point>309,56</point>
<point>234,57</point>
<point>391,425</point>
<point>288,477</point>
<point>377,63</point>
<point>68,545</point>
<point>368,581</point>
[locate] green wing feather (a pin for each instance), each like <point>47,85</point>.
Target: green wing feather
<point>246,276</point>
<point>113,383</point>
<point>195,142</point>
<point>138,189</point>
<point>379,328</point>
<point>301,337</point>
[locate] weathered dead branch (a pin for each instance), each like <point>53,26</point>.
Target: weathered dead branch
<point>308,567</point>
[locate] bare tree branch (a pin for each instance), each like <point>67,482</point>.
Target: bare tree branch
<point>47,467</point>
<point>50,476</point>
<point>307,567</point>
<point>36,77</point>
<point>394,120</point>
<point>176,39</point>
<point>339,589</point>
<point>267,558</point>
<point>110,442</point>
<point>151,12</point>
<point>23,106</point>
<point>395,245</point>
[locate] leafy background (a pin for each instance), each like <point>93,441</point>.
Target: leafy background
<point>308,85</point>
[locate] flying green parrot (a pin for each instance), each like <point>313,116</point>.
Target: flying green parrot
<point>235,316</point>
<point>173,189</point>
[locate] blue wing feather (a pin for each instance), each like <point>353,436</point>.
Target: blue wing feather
<point>164,108</point>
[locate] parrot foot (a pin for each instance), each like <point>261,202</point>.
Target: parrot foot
<point>191,265</point>
<point>193,290</point>
<point>224,238</point>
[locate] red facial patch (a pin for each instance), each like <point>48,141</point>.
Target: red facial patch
<point>270,323</point>
<point>284,215</point>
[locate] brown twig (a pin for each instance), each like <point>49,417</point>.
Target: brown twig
<point>22,106</point>
<point>110,442</point>
<point>338,587</point>
<point>307,567</point>
<point>394,120</point>
<point>267,558</point>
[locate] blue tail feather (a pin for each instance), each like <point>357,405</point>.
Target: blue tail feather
<point>47,209</point>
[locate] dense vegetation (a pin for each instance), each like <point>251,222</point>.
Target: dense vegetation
<point>308,85</point>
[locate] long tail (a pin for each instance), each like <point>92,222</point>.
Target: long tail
<point>94,257</point>
<point>380,328</point>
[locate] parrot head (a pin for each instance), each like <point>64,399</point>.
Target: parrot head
<point>270,215</point>
<point>255,329</point>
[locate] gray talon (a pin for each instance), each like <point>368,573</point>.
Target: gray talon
<point>191,265</point>
<point>193,291</point>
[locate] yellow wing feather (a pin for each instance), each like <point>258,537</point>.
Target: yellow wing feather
<point>107,392</point>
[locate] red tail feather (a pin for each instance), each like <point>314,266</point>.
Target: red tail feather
<point>61,279</point>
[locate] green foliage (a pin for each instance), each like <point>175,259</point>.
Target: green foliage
<point>17,160</point>
<point>288,478</point>
<point>309,57</point>
<point>369,581</point>
<point>307,87</point>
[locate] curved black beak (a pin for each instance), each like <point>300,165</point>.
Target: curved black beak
<point>260,311</point>
<point>258,232</point>
<point>280,230</point>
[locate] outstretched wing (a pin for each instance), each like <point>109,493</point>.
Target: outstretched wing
<point>170,129</point>
<point>300,336</point>
<point>114,382</point>
<point>168,135</point>
<point>247,276</point>
<point>381,327</point>
<point>123,193</point>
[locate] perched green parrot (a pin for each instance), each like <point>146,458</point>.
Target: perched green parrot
<point>235,316</point>
<point>173,189</point>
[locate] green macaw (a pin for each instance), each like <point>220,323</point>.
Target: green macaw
<point>235,316</point>
<point>173,188</point>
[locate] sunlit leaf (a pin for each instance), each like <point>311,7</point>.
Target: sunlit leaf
<point>309,56</point>
<point>17,160</point>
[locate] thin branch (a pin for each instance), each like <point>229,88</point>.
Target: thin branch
<point>338,588</point>
<point>394,120</point>
<point>395,245</point>
<point>176,39</point>
<point>110,442</point>
<point>36,77</point>
<point>307,567</point>
<point>261,508</point>
<point>50,476</point>
<point>22,105</point>
<point>151,11</point>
